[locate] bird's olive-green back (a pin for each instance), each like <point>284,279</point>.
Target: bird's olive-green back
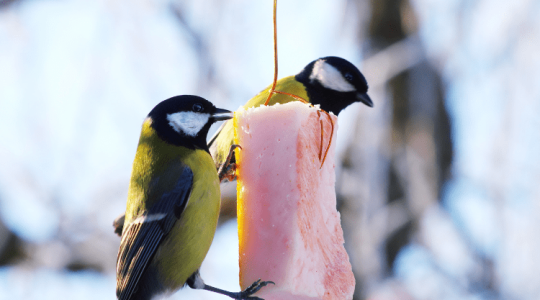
<point>156,171</point>
<point>286,84</point>
<point>225,139</point>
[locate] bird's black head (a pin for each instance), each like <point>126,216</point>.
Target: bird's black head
<point>185,120</point>
<point>334,83</point>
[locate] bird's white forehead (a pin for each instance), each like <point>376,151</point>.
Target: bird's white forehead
<point>330,77</point>
<point>188,122</point>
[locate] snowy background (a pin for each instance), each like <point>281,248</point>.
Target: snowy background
<point>78,77</point>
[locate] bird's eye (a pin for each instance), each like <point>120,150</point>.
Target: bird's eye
<point>197,107</point>
<point>348,76</point>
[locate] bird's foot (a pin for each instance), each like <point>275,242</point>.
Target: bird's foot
<point>118,224</point>
<point>253,288</point>
<point>243,295</point>
<point>229,174</point>
<point>227,171</point>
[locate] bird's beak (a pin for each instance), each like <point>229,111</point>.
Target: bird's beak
<point>222,114</point>
<point>364,98</point>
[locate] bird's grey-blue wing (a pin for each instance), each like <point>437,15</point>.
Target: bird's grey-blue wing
<point>143,236</point>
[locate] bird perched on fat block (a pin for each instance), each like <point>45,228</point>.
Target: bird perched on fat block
<point>173,203</point>
<point>331,82</point>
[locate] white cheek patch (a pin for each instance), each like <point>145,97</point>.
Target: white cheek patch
<point>188,122</point>
<point>330,77</point>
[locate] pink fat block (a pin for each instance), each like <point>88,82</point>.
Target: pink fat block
<point>288,225</point>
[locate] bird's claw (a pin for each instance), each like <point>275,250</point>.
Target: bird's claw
<point>118,224</point>
<point>228,169</point>
<point>229,174</point>
<point>253,288</point>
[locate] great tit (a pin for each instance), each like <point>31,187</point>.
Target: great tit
<point>332,82</point>
<point>173,203</point>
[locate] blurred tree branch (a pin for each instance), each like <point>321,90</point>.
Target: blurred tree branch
<point>204,58</point>
<point>402,149</point>
<point>12,248</point>
<point>6,3</point>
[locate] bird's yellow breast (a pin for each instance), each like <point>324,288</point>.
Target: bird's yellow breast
<point>184,250</point>
<point>156,170</point>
